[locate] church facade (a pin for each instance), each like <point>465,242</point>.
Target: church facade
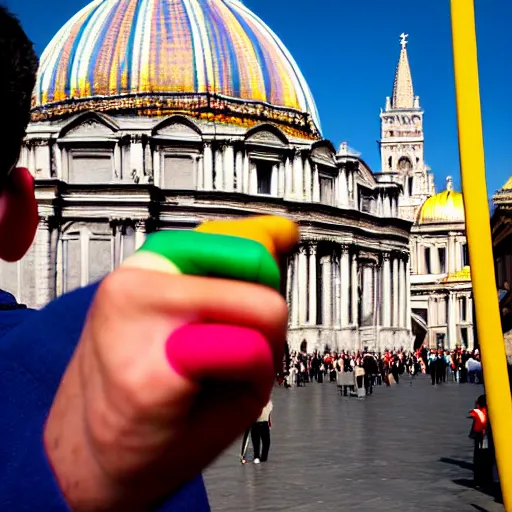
<point>130,135</point>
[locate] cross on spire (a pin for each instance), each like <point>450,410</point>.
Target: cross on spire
<point>403,40</point>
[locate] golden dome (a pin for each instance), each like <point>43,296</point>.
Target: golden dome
<point>447,207</point>
<point>508,185</point>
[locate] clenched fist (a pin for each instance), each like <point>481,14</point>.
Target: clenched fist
<point>170,368</point>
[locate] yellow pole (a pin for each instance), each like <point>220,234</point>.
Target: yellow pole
<point>471,148</point>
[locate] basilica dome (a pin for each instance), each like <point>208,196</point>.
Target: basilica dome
<point>447,207</point>
<point>211,59</point>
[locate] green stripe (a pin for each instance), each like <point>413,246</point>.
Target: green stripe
<point>207,254</point>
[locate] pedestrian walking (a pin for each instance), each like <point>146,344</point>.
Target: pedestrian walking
<point>245,446</point>
<point>260,434</point>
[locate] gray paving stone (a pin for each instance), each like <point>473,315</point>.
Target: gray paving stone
<point>405,448</point>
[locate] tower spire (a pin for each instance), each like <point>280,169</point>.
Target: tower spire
<point>403,91</point>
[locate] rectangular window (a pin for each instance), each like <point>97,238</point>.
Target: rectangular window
<point>91,167</point>
<point>465,255</point>
<point>179,173</point>
<point>72,253</point>
<point>428,267</point>
<point>464,337</point>
<point>441,252</point>
<point>442,311</point>
<point>128,242</point>
<point>100,259</point>
<point>463,308</point>
<point>410,183</point>
<point>326,186</point>
<point>264,177</point>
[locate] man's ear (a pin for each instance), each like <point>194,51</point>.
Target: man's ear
<point>19,215</point>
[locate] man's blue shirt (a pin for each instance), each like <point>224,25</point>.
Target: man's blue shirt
<point>35,348</point>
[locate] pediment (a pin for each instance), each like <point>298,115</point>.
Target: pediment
<point>323,154</point>
<point>265,137</point>
<point>89,128</point>
<point>179,131</point>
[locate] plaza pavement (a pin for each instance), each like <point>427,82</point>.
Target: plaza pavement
<point>405,448</point>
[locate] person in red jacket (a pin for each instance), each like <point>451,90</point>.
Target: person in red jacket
<point>480,443</point>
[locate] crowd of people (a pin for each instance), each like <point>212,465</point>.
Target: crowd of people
<point>458,365</point>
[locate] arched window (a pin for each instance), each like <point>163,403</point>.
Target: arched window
<point>404,164</point>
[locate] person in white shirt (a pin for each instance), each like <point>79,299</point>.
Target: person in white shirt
<point>260,434</point>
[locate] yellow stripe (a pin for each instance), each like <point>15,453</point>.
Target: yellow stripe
<point>478,233</point>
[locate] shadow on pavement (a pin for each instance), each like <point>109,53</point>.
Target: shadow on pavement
<point>494,491</point>
<point>455,462</point>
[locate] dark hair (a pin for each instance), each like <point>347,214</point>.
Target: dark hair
<point>481,401</point>
<point>18,69</point>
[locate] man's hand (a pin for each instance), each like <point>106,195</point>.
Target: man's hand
<point>169,370</point>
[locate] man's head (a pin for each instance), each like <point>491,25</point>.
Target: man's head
<point>18,209</point>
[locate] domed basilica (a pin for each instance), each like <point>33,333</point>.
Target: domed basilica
<point>161,114</point>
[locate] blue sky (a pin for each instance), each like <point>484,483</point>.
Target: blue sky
<point>348,50</point>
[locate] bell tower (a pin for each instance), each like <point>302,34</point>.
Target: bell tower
<point>402,140</point>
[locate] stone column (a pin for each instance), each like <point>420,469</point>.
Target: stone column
<point>451,253</point>
<point>148,162</point>
<point>288,178</point>
<point>245,174</point>
<point>140,233</point>
<point>458,255</point>
<point>345,286</point>
<point>379,205</point>
<point>355,192</point>
<point>298,173</point>
<point>408,292</point>
<point>219,170</point>
<point>157,166</point>
<point>451,321</point>
<point>207,166</point>
<point>308,180</point>
<point>118,169</point>
<point>57,158</point>
<point>274,180</point>
<point>23,159</point>
<point>336,291</point>
<point>396,280</point>
<point>354,290</point>
<point>326,291</point>
<point>289,289</point>
<point>281,180</point>
<point>239,170</point>
<point>343,188</point>
<point>229,168</point>
<point>295,291</point>
<point>316,184</point>
<point>403,294</point>
<point>386,290</point>
<point>32,158</point>
<point>302,285</point>
<point>45,282</point>
<point>350,183</point>
<point>253,179</point>
<point>313,296</point>
<point>199,172</point>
